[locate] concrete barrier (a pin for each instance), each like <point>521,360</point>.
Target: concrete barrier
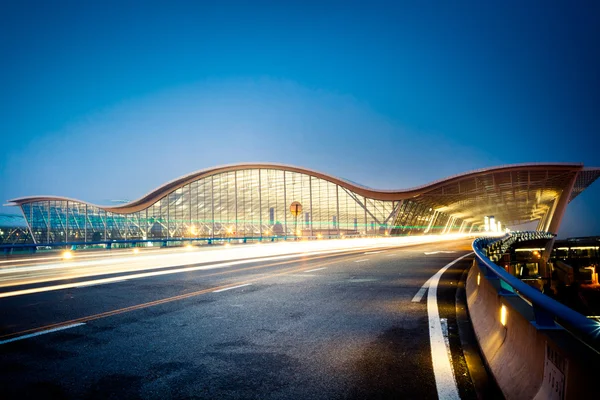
<point>527,362</point>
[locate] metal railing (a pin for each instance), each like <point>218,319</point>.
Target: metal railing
<point>548,313</point>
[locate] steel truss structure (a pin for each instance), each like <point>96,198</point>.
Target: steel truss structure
<point>250,200</point>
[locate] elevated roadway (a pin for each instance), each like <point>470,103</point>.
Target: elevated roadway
<point>352,323</point>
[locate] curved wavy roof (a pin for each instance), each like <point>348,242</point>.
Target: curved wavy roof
<point>470,189</point>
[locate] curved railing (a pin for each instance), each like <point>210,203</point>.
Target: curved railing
<point>549,313</point>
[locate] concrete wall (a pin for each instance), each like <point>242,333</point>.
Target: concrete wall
<point>527,362</point>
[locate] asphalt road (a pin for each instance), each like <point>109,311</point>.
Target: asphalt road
<point>314,327</point>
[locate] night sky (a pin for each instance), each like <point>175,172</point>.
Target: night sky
<point>106,100</point>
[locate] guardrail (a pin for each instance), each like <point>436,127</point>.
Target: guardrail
<point>549,313</point>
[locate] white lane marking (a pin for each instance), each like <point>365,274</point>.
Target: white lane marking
<point>88,284</point>
<point>316,269</point>
<point>437,252</point>
<point>419,296</point>
<point>374,252</point>
<point>60,328</point>
<point>442,363</point>
<point>233,287</point>
<point>365,259</point>
<point>444,323</point>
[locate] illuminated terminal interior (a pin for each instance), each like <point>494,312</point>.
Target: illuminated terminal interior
<point>253,200</point>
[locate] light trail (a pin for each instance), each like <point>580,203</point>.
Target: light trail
<point>282,260</point>
<point>62,325</point>
<point>74,269</point>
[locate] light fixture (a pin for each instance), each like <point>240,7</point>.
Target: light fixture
<point>503,315</point>
<point>478,278</point>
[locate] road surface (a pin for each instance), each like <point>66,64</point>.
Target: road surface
<point>344,325</point>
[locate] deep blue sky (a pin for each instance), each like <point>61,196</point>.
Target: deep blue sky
<point>105,100</point>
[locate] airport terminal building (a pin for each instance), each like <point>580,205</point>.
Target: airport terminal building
<point>253,201</point>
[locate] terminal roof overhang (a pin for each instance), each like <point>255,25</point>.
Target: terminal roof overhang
<point>514,194</point>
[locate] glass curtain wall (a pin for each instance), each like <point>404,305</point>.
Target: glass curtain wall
<point>242,203</point>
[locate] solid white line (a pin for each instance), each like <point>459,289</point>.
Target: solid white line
<point>316,269</point>
<point>233,287</point>
<point>442,364</point>
<point>444,323</point>
<point>60,328</point>
<point>374,252</point>
<point>419,296</point>
<point>437,252</point>
<point>366,259</point>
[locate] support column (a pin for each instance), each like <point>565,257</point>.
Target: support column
<point>67,223</point>
<point>212,205</point>
<point>48,225</point>
<point>337,201</point>
<point>85,224</point>
<point>431,220</point>
<point>365,203</point>
<point>310,216</point>
<point>260,204</point>
<point>237,232</point>
<point>285,207</point>
<point>552,223</point>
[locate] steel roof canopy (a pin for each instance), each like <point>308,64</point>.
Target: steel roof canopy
<point>514,194</point>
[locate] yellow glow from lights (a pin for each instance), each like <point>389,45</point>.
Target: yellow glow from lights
<point>319,236</point>
<point>298,232</point>
<point>135,250</point>
<point>478,279</point>
<point>503,315</point>
<point>189,247</point>
<point>67,255</point>
<point>227,245</point>
<point>230,230</point>
<point>193,230</point>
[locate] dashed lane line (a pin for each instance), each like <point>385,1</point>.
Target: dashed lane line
<point>316,269</point>
<point>232,287</point>
<point>60,328</point>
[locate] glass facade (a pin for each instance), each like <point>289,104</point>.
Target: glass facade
<point>241,203</point>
